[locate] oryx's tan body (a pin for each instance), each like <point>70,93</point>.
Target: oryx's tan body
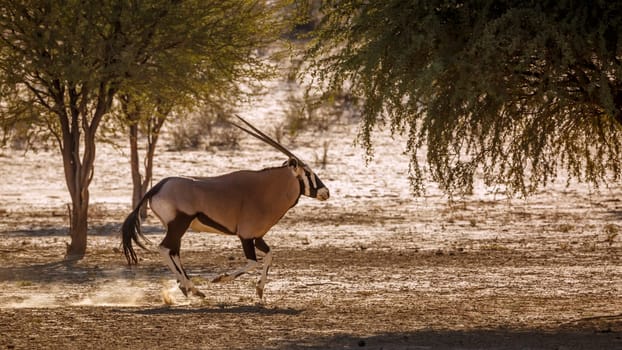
<point>246,203</point>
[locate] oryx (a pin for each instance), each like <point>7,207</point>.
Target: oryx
<point>245,203</point>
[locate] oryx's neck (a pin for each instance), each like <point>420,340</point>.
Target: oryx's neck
<point>282,184</point>
<point>269,194</point>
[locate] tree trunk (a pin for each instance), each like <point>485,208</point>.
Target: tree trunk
<point>78,219</point>
<point>137,192</point>
<point>79,126</point>
<point>77,182</point>
<point>78,175</point>
<point>154,124</point>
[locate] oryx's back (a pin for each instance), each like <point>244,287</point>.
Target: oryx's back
<point>229,203</point>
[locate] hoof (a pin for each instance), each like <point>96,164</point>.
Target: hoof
<point>259,291</point>
<point>185,290</point>
<point>222,278</point>
<point>198,293</point>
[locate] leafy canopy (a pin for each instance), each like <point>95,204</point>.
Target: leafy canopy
<point>171,52</point>
<point>518,91</point>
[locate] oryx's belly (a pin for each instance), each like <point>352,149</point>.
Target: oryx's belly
<point>199,226</point>
<point>196,225</point>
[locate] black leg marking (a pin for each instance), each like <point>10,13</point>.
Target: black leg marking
<point>179,269</point>
<point>261,245</point>
<point>249,249</point>
<point>174,231</point>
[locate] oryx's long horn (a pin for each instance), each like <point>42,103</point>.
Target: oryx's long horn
<point>265,138</point>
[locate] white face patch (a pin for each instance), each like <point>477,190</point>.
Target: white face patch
<point>313,178</point>
<point>305,181</point>
<point>310,182</point>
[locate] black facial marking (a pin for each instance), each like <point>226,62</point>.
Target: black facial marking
<point>312,189</point>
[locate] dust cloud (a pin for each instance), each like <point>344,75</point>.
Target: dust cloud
<point>116,293</point>
<point>111,293</point>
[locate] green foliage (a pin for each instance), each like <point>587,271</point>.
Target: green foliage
<point>162,52</point>
<point>212,64</point>
<point>208,52</point>
<point>518,91</point>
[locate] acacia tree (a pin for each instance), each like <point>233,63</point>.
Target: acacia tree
<point>519,91</point>
<point>218,65</point>
<point>63,62</point>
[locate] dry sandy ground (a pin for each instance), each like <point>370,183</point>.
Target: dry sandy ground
<point>372,268</point>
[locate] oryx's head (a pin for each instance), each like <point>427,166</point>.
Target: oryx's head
<point>310,184</point>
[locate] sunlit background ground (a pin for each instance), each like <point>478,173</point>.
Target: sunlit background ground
<point>372,267</point>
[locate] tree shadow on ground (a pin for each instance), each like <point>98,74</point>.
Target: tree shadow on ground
<point>67,271</point>
<point>220,309</point>
<point>94,230</point>
<point>498,339</point>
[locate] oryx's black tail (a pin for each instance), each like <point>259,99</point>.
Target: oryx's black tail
<point>130,230</point>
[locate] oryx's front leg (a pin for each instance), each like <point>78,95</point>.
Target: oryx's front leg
<point>251,258</point>
<point>266,263</point>
<point>249,246</point>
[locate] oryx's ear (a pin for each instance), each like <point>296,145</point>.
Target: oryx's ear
<point>292,162</point>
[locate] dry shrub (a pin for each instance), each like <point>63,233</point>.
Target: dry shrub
<point>318,114</point>
<point>204,130</point>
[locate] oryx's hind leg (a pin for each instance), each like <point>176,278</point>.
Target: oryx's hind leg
<point>169,249</point>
